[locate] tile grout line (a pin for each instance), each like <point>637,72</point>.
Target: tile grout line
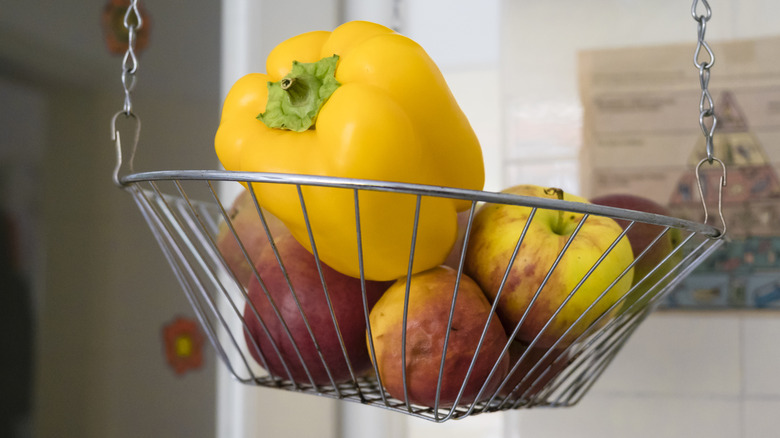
<point>742,382</point>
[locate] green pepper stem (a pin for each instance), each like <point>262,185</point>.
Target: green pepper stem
<point>297,90</point>
<point>295,101</point>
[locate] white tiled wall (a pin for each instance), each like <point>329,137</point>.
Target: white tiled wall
<point>678,354</point>
<point>761,349</point>
<point>683,374</point>
<point>760,418</point>
<point>636,417</point>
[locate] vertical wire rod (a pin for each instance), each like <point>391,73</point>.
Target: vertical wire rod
<point>173,251</point>
<point>405,318</point>
<point>186,240</point>
<point>249,305</point>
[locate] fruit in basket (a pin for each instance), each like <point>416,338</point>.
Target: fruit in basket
<point>538,367</point>
<point>430,301</point>
<point>453,258</point>
<point>380,110</point>
<point>249,229</point>
<point>641,235</point>
<point>311,319</point>
<point>493,239</point>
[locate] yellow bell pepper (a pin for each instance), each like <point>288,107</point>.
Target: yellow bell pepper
<point>363,102</point>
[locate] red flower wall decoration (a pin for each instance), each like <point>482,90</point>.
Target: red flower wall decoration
<point>183,345</point>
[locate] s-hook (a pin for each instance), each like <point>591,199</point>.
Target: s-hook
<point>132,22</point>
<point>707,107</point>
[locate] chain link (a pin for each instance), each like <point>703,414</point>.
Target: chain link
<point>707,119</point>
<point>132,22</point>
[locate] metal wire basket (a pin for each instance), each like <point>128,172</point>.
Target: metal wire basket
<point>255,338</point>
<point>184,210</point>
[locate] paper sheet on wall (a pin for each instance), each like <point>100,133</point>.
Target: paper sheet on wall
<point>641,135</point>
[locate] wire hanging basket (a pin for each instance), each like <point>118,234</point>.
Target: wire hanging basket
<point>187,227</point>
<point>267,332</point>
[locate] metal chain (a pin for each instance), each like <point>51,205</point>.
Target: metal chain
<point>706,103</point>
<point>132,23</point>
<point>707,119</point>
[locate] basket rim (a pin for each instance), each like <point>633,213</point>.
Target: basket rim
<point>423,190</point>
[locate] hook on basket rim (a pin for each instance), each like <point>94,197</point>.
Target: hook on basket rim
<point>116,137</point>
<point>721,184</point>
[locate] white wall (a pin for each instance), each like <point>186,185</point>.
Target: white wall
<point>463,38</point>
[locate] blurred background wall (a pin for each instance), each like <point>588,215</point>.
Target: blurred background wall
<point>100,290</point>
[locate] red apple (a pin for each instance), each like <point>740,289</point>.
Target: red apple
<point>494,235</point>
<point>641,235</point>
<point>429,304</point>
<point>249,229</point>
<point>536,369</point>
<point>308,305</point>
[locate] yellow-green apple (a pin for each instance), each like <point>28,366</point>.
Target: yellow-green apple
<point>641,235</point>
<point>429,305</point>
<point>305,315</point>
<point>530,299</point>
<point>249,229</point>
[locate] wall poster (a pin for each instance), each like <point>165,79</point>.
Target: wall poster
<point>641,135</point>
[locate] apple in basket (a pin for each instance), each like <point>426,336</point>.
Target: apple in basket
<point>249,229</point>
<point>641,235</point>
<point>286,347</point>
<point>530,299</point>
<point>429,303</point>
<point>531,368</point>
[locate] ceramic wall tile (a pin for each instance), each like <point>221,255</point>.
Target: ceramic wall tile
<point>682,353</point>
<point>760,419</point>
<point>761,354</point>
<point>637,417</point>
